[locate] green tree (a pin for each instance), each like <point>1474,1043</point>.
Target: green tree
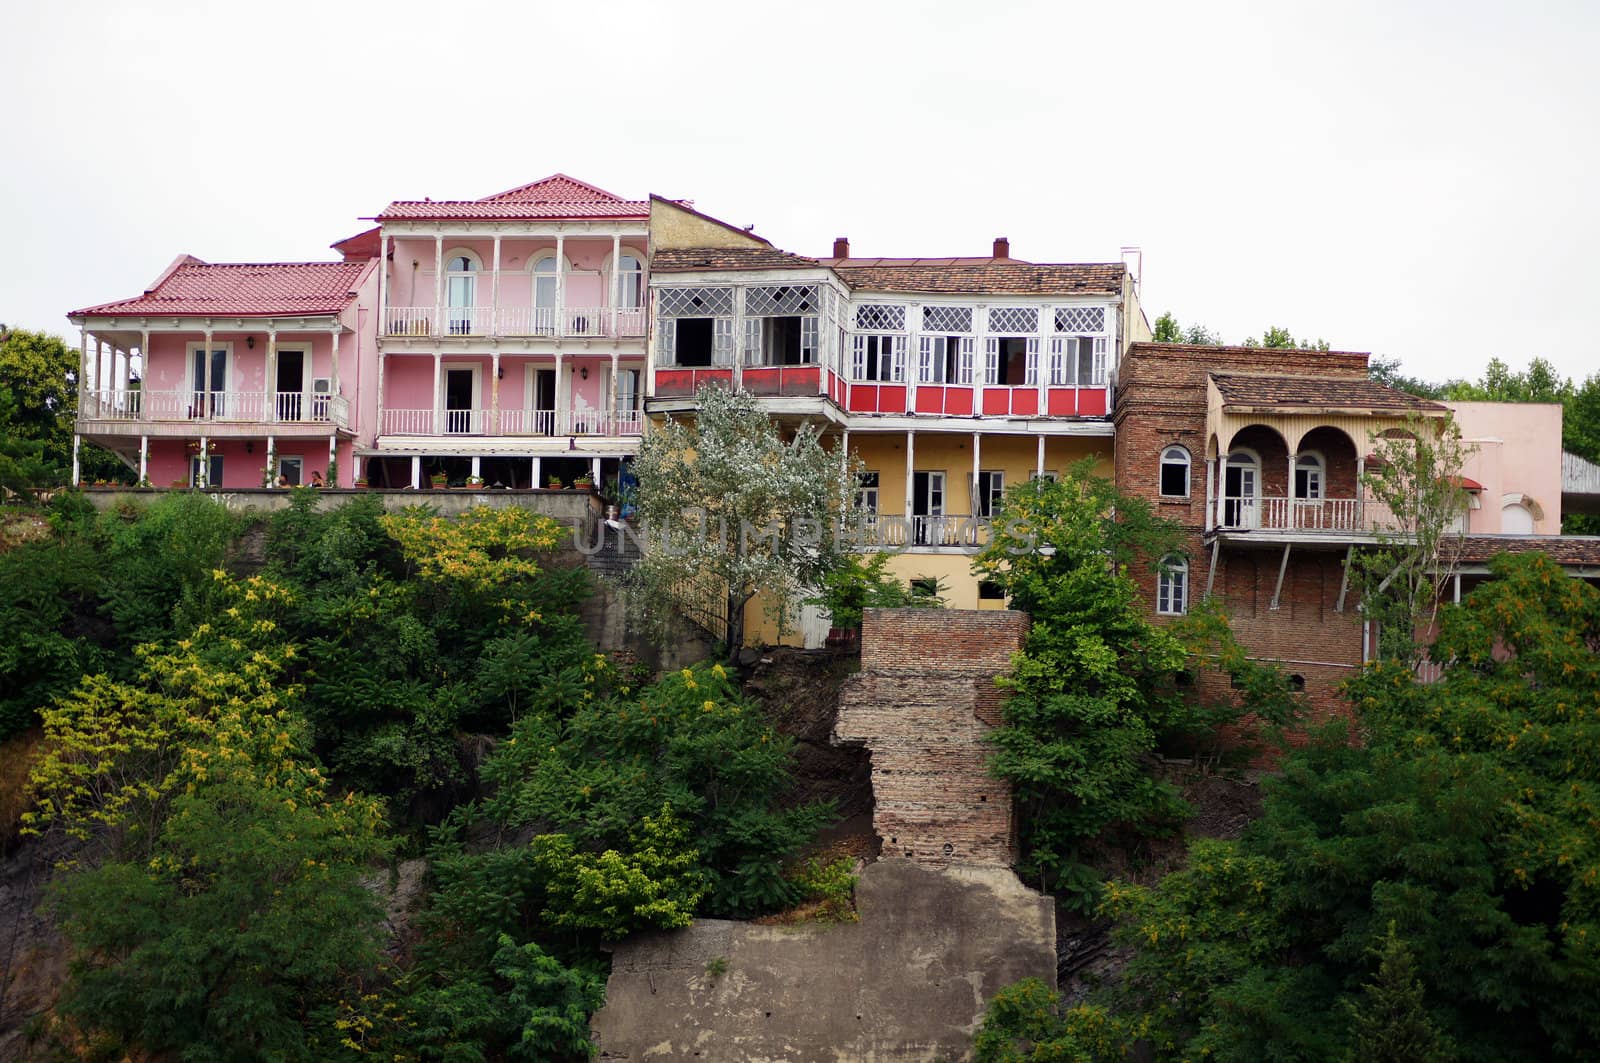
<point>41,374</point>
<point>1167,330</point>
<point>1388,1023</point>
<point>1540,382</point>
<point>1276,337</point>
<point>1464,819</point>
<point>733,506</point>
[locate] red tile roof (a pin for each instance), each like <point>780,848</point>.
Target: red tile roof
<point>1316,392</point>
<point>362,245</point>
<point>556,196</point>
<point>978,275</point>
<point>1563,549</point>
<point>689,259</point>
<point>243,289</point>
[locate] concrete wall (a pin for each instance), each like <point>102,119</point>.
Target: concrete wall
<point>908,982</point>
<point>672,226</point>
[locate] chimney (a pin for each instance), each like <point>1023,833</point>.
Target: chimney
<point>1002,247</point>
<point>841,247</point>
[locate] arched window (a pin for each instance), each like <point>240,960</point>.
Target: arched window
<point>461,289</point>
<point>1516,519</point>
<point>1175,472</point>
<point>630,281</point>
<point>1172,586</point>
<point>1309,470</point>
<point>544,281</point>
<point>1241,490</point>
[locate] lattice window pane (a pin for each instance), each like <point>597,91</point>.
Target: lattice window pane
<point>878,317</point>
<point>781,300</point>
<point>696,302</point>
<point>947,319</point>
<point>1013,320</point>
<point>1080,319</point>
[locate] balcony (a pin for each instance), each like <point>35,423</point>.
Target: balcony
<point>1311,515</point>
<point>572,322</point>
<point>479,422</point>
<point>135,405</point>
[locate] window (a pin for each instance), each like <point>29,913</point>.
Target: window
<point>461,288</point>
<point>1010,361</point>
<point>630,282</point>
<point>1172,586</point>
<point>1048,476</point>
<point>291,470</point>
<point>209,380</point>
<point>989,591</point>
<point>945,360</point>
<point>867,493</point>
<point>878,358</point>
<point>546,279</point>
<point>1308,470</point>
<point>627,397</point>
<point>212,472</point>
<point>991,488</point>
<point>927,507</point>
<point>1175,472</point>
<point>780,340</point>
<point>1079,360</point>
<point>1297,683</point>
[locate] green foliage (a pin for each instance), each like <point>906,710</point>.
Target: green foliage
<point>734,507</point>
<point>1081,723</point>
<point>1463,821</point>
<point>1167,330</point>
<point>1388,1023</point>
<point>831,886</point>
<point>656,884</point>
<point>856,585</point>
<point>1025,1023</point>
<point>688,743</point>
<point>1276,337</point>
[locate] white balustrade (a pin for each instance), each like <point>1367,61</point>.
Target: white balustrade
<point>408,321</point>
<point>586,321</point>
<point>407,422</point>
<point>528,422</point>
<point>468,320</point>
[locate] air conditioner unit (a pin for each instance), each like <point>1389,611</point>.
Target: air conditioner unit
<point>322,386</point>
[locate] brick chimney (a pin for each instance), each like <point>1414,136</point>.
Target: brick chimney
<point>841,247</point>
<point>1002,247</point>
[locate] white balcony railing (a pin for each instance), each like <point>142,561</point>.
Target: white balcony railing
<point>414,422</point>
<point>576,322</point>
<point>1305,515</point>
<point>263,407</point>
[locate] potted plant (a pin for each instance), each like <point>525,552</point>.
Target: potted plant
<point>475,482</point>
<point>361,483</point>
<point>439,479</point>
<point>583,483</point>
<point>553,482</point>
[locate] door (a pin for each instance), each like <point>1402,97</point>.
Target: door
<point>290,385</point>
<point>461,286</point>
<point>459,399</point>
<point>544,402</point>
<point>1240,493</point>
<point>210,384</point>
<point>927,507</point>
<point>212,469</point>
<point>291,470</point>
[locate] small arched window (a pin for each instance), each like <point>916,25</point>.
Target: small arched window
<point>1175,472</point>
<point>1308,476</point>
<point>1172,586</point>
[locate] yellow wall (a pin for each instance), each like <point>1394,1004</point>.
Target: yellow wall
<point>672,226</point>
<point>885,452</point>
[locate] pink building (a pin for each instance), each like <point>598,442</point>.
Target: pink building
<point>1513,466</point>
<point>500,338</point>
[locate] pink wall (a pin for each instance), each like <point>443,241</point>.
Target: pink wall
<point>413,285</point>
<point>1518,451</point>
<point>408,380</point>
<point>169,460</point>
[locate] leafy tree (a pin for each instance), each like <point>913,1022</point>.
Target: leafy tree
<point>1026,1023</point>
<point>1386,371</point>
<point>1389,1024</point>
<point>1276,337</point>
<point>1464,820</point>
<point>731,505</point>
<point>1540,382</point>
<point>1167,330</point>
<point>856,585</point>
<point>40,373</point>
<point>1417,501</point>
<point>1081,721</point>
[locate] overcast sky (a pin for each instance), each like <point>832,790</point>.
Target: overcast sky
<point>1414,179</point>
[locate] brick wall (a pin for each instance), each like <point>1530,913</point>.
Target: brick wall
<point>922,705</point>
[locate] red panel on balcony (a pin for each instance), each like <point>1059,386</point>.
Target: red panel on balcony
<point>783,380</point>
<point>877,398</point>
<point>1063,402</point>
<point>1004,402</point>
<point>955,401</point>
<point>681,383</point>
<point>1092,402</point>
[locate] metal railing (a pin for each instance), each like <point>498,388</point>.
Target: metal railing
<point>415,422</point>
<point>574,321</point>
<point>264,407</point>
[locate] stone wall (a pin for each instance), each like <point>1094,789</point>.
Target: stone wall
<point>922,704</point>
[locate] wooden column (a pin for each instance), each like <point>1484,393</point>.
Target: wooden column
<point>911,464</point>
<point>1040,472</point>
<point>438,398</point>
<point>494,290</point>
<point>144,458</point>
<point>438,286</point>
<point>77,469</point>
<point>616,280</point>
<point>416,472</point>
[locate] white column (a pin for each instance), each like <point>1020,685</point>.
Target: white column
<point>1040,472</point>
<point>438,398</point>
<point>1222,490</point>
<point>333,460</point>
<point>1361,491</point>
<point>144,362</point>
<point>561,287</point>
<point>383,285</point>
<point>594,471</point>
<point>416,471</point>
<point>563,386</point>
<point>494,289</point>
<point>355,466</point>
<point>611,414</point>
<point>438,286</point>
<point>86,381</point>
<point>203,479</point>
<point>144,458</point>
<point>205,362</point>
<point>911,464</point>
<point>477,467</point>
<point>77,471</point>
<point>616,262</point>
<point>1211,480</point>
<point>494,390</point>
<point>535,474</point>
<point>272,460</point>
<point>333,370</point>
<point>383,358</point>
<point>271,374</point>
<point>972,495</point>
<point>844,450</point>
<point>100,373</point>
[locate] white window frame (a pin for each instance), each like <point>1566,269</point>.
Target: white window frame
<point>477,395</point>
<point>1172,586</point>
<point>1175,454</point>
<point>617,276</point>
<point>991,488</point>
<point>1316,468</point>
<point>218,406</point>
<point>300,468</point>
<point>867,493</point>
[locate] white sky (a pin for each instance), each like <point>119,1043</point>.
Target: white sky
<point>1414,179</point>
